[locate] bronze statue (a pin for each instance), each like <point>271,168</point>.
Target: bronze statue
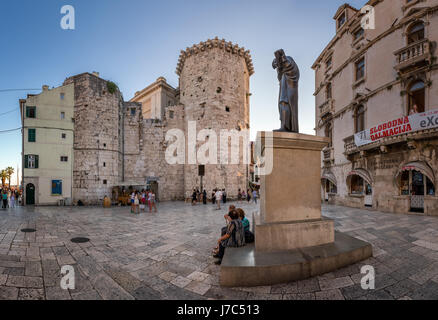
<point>288,75</point>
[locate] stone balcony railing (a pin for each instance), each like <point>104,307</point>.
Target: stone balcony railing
<point>349,145</point>
<point>412,54</point>
<point>326,107</point>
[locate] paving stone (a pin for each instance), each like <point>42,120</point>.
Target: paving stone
<point>31,294</point>
<point>8,293</point>
<point>402,288</point>
<point>333,294</point>
<point>336,283</point>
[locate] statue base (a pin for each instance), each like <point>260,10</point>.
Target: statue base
<point>292,239</point>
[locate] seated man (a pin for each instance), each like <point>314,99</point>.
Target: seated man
<point>235,236</point>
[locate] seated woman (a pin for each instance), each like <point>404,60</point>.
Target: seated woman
<point>235,236</point>
<point>249,236</point>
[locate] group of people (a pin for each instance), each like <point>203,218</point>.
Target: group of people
<point>9,198</point>
<point>219,196</point>
<point>140,199</point>
<point>235,234</point>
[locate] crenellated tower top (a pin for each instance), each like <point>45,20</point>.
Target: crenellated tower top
<point>215,43</point>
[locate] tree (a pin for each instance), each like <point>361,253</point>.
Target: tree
<point>9,172</point>
<point>3,176</point>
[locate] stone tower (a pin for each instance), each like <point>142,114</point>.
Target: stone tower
<point>98,144</point>
<point>214,89</point>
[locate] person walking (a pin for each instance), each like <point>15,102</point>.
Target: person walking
<point>5,199</point>
<point>218,196</point>
<point>136,203</point>
<point>132,201</point>
<point>12,203</point>
<point>248,195</point>
<point>224,195</point>
<point>204,197</point>
<point>194,197</point>
<point>152,202</point>
<point>213,196</point>
<point>254,196</point>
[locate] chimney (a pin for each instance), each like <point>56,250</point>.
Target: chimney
<point>45,88</point>
<point>95,74</point>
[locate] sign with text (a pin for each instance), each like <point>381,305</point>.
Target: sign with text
<point>412,123</point>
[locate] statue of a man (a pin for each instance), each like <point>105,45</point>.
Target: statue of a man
<point>288,75</point>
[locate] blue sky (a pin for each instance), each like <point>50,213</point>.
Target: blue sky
<point>133,42</point>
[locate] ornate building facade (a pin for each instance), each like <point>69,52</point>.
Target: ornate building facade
<point>381,84</point>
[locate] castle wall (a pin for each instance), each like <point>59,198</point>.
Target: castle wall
<point>97,138</point>
<point>214,87</point>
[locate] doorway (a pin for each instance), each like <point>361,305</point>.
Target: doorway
<point>153,186</point>
<point>30,194</point>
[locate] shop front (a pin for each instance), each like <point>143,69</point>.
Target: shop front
<point>359,184</point>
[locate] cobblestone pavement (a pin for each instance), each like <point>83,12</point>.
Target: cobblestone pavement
<point>167,255</point>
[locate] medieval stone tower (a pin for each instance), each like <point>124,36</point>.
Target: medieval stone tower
<point>98,145</point>
<point>214,89</point>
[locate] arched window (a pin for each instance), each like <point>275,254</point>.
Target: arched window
<point>416,32</point>
<point>359,119</point>
<point>416,97</point>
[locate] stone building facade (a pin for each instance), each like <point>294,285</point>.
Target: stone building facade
<point>366,78</point>
<point>122,144</point>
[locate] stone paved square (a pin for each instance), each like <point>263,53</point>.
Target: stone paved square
<point>167,255</point>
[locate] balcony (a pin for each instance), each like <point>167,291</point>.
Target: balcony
<point>326,108</point>
<point>416,53</point>
<point>349,145</point>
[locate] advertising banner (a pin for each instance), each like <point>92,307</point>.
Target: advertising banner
<point>412,123</point>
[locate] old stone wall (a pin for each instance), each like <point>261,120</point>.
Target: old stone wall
<point>97,138</point>
<point>214,87</point>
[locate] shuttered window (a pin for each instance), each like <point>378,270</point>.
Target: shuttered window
<point>31,135</point>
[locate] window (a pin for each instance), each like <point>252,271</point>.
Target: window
<point>358,33</point>
<point>328,91</point>
<point>360,119</point>
<point>227,109</point>
<point>416,97</point>
<point>56,187</point>
<point>413,182</point>
<point>104,164</point>
<point>328,63</point>
<point>404,183</point>
<point>360,69</point>
<point>31,135</point>
<point>63,135</point>
<point>64,159</point>
<point>31,161</point>
<point>132,111</point>
<point>62,115</point>
<point>30,112</point>
<point>171,114</point>
<point>356,185</point>
<point>104,145</point>
<point>341,20</point>
<point>61,96</point>
<point>330,187</point>
<point>416,33</point>
<point>105,182</point>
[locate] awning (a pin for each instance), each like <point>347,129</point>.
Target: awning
<point>328,175</point>
<point>364,174</point>
<point>420,166</point>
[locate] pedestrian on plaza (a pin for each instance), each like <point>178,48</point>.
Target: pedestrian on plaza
<point>224,195</point>
<point>5,199</point>
<point>132,201</point>
<point>254,196</point>
<point>12,203</point>
<point>213,197</point>
<point>218,196</point>
<point>194,197</point>
<point>248,195</point>
<point>136,203</point>
<point>239,195</point>
<point>204,197</point>
<point>143,200</point>
<point>152,202</point>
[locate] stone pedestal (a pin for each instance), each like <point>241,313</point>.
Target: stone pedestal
<point>292,239</point>
<point>290,203</point>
